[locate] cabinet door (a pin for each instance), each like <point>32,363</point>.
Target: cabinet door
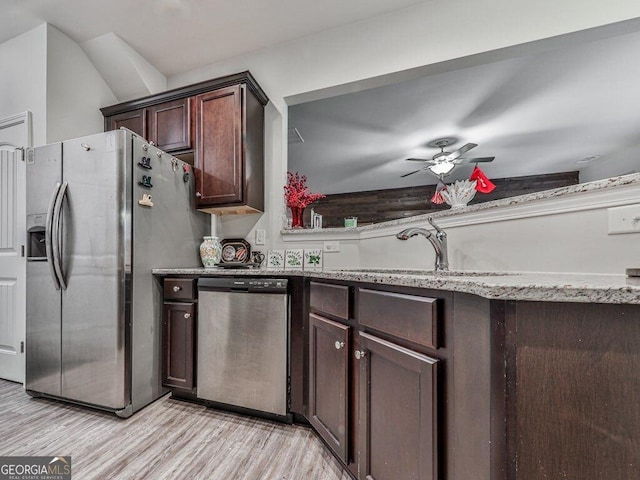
<point>329,382</point>
<point>170,125</point>
<point>219,155</point>
<point>178,330</point>
<point>398,412</point>
<point>136,121</point>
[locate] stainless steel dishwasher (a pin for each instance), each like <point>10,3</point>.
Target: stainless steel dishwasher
<point>243,338</point>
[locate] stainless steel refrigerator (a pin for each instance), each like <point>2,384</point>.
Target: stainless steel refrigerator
<point>102,212</point>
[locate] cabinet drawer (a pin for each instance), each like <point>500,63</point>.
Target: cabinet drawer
<point>330,299</point>
<point>409,317</point>
<point>179,288</point>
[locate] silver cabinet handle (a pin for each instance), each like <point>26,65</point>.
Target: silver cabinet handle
<point>187,315</point>
<point>55,235</point>
<point>198,194</point>
<point>339,345</point>
<point>177,289</point>
<point>360,354</point>
<point>85,146</point>
<point>48,238</point>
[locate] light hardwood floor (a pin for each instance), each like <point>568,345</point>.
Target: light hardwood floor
<point>169,439</point>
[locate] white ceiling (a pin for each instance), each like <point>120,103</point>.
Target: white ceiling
<point>538,113</point>
<point>179,35</point>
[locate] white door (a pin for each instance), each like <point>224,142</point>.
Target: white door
<point>14,133</point>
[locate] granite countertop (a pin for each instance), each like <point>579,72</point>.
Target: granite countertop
<point>548,287</point>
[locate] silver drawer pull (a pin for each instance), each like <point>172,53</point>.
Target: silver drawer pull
<point>339,345</point>
<point>177,289</point>
<point>187,315</point>
<point>360,354</point>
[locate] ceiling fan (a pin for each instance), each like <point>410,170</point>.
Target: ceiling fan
<point>443,163</point>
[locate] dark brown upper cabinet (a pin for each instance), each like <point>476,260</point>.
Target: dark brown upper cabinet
<point>170,125</point>
<point>135,120</point>
<point>230,151</point>
<point>219,126</point>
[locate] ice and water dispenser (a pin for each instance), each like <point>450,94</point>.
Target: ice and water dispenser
<point>36,248</point>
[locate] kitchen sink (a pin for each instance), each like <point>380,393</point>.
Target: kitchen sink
<point>448,273</point>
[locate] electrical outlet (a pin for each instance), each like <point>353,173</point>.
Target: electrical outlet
<point>331,247</point>
<point>624,219</point>
<point>261,235</point>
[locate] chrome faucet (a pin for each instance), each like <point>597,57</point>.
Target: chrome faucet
<point>439,242</point>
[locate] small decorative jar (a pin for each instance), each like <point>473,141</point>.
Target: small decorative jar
<point>351,222</point>
<point>210,251</point>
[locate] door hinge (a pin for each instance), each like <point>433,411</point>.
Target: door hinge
<point>22,347</point>
<point>22,249</point>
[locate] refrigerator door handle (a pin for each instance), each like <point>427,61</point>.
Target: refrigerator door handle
<point>55,234</point>
<point>48,235</point>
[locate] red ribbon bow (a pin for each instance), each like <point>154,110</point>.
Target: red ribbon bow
<point>483,184</point>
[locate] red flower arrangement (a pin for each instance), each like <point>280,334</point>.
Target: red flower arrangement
<point>296,192</point>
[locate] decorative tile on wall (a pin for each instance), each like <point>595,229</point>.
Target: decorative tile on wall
<point>294,259</point>
<point>313,259</point>
<point>275,259</point>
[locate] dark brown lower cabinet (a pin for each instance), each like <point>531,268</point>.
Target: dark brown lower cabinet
<point>178,333</point>
<point>398,412</point>
<point>574,389</point>
<point>329,387</point>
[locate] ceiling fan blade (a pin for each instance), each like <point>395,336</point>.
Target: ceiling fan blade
<point>415,171</point>
<point>418,159</point>
<point>474,160</point>
<point>461,150</point>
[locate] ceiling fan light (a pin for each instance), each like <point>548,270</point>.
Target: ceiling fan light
<point>442,168</point>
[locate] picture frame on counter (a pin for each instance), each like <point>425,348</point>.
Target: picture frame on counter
<point>294,259</point>
<point>275,260</point>
<point>313,259</point>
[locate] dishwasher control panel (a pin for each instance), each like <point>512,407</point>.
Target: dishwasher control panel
<point>240,284</point>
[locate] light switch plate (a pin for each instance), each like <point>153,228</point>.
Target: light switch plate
<point>624,219</point>
<point>260,236</point>
<point>331,247</point>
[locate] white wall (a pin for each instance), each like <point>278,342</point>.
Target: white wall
<point>23,79</point>
<point>75,90</point>
<point>421,35</point>
<point>568,242</point>
<point>47,73</point>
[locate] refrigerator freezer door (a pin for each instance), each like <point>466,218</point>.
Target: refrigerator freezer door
<point>43,362</point>
<point>43,365</point>
<point>92,260</point>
